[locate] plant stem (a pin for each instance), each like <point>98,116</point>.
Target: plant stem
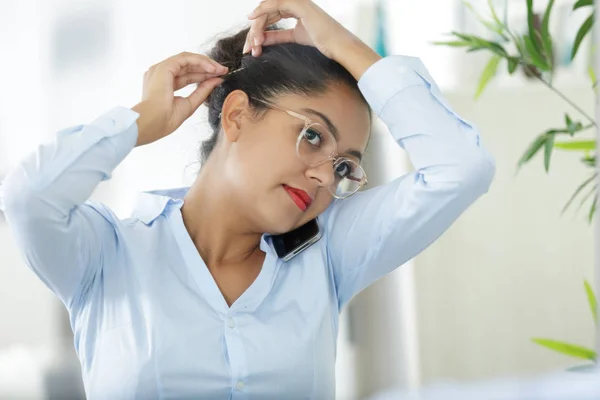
<point>565,98</point>
<point>548,84</point>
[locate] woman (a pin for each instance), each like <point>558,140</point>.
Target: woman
<point>187,298</point>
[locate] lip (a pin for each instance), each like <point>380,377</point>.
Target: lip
<point>299,196</point>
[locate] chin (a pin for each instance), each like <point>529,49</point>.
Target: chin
<point>281,215</point>
<point>284,225</point>
<point>277,219</point>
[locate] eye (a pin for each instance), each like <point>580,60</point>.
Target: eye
<point>343,169</point>
<point>313,137</point>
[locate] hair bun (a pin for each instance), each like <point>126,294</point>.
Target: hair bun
<point>228,51</point>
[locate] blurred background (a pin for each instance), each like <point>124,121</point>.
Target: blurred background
<point>466,310</point>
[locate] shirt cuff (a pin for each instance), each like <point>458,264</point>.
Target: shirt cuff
<point>120,127</point>
<point>393,74</point>
<point>390,75</point>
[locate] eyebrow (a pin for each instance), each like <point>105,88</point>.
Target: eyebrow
<point>352,152</point>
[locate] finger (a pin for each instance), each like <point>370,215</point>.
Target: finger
<point>274,18</point>
<point>292,9</point>
<point>186,60</point>
<point>191,78</point>
<point>271,19</point>
<point>201,69</point>
<point>276,37</point>
<point>254,37</point>
<point>203,90</point>
<point>286,8</point>
<point>256,33</point>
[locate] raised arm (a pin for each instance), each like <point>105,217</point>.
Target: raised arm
<point>377,230</point>
<point>63,239</point>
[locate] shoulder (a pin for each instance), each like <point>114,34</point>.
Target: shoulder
<point>150,205</point>
<point>147,207</point>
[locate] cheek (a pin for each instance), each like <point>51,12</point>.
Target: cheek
<point>321,202</point>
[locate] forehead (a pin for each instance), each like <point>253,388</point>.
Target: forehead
<point>343,107</point>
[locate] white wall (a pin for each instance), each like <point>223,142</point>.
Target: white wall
<point>511,268</point>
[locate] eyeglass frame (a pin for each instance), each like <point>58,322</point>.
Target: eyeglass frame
<point>334,156</point>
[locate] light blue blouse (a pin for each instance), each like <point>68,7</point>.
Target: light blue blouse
<point>149,320</point>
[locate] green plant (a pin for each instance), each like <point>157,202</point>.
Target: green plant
<point>573,350</point>
<point>534,55</point>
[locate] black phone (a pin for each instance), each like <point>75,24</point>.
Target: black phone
<point>292,243</point>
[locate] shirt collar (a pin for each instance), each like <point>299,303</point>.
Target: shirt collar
<point>151,204</point>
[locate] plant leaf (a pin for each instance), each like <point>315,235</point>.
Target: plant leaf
<point>531,40</point>
<point>592,301</point>
<point>578,190</point>
<point>567,348</point>
<point>453,43</point>
<point>577,145</point>
<point>589,161</point>
<point>534,54</point>
<point>568,121</point>
<point>520,43</point>
<point>593,209</point>
<point>583,30</point>
<point>583,368</point>
<point>592,74</point>
<point>479,43</point>
<point>573,127</point>
<point>488,73</point>
<point>533,148</point>
<point>530,19</point>
<point>583,3</point>
<point>586,196</point>
<point>493,26</point>
<point>513,63</point>
<point>546,38</point>
<point>494,15</point>
<point>548,152</point>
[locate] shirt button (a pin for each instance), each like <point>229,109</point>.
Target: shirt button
<point>231,324</point>
<point>240,385</point>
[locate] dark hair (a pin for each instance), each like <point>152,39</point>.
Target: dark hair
<point>281,69</point>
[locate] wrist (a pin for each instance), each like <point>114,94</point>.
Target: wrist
<point>356,57</point>
<point>149,122</point>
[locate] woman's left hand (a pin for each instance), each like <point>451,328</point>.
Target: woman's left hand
<point>314,28</point>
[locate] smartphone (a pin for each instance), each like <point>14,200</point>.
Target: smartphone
<point>290,244</point>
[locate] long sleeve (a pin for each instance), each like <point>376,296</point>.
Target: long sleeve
<point>377,230</point>
<point>63,239</point>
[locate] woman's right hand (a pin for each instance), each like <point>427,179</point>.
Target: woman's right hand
<point>161,112</point>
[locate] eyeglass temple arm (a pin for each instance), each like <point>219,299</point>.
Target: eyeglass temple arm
<point>292,113</point>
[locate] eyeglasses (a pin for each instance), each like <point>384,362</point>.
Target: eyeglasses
<point>316,145</point>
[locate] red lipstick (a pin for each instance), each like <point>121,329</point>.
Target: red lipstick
<point>299,196</point>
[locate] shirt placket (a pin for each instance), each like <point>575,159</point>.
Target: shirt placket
<point>237,355</point>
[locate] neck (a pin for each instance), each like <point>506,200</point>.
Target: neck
<point>215,224</point>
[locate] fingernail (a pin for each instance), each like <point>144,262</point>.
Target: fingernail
<point>256,41</point>
<point>254,52</point>
<point>245,48</point>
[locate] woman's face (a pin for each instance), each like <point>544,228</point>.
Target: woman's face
<point>262,166</point>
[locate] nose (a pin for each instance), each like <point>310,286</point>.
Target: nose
<point>322,173</point>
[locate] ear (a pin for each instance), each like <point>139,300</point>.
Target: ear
<point>235,106</point>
